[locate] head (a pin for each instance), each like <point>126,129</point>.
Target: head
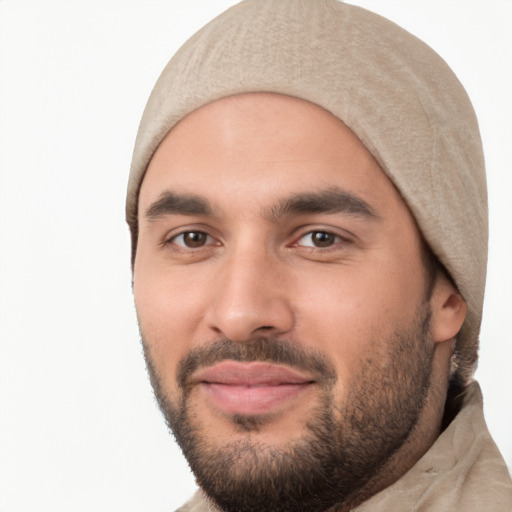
<point>298,335</point>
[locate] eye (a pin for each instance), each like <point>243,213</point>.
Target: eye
<point>319,239</point>
<point>192,239</point>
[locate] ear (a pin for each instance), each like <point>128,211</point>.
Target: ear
<point>448,309</point>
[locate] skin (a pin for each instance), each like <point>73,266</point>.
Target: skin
<point>250,272</point>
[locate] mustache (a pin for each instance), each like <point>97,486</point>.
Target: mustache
<point>261,349</point>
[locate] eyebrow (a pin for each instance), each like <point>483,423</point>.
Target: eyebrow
<point>182,204</point>
<point>332,200</point>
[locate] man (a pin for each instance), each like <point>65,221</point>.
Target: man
<point>307,205</point>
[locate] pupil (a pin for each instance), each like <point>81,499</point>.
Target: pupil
<point>322,239</point>
<point>194,239</point>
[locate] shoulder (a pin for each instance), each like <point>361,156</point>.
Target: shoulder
<point>198,503</point>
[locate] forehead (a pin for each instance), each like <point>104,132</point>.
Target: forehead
<point>259,146</point>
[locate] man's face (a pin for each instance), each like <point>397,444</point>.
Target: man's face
<point>280,292</point>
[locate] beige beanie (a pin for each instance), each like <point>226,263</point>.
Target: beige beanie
<point>395,93</point>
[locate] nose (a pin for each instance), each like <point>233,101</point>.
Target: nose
<point>250,299</point>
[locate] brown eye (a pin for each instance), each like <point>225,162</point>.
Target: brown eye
<point>192,239</point>
<point>319,239</point>
<point>322,239</point>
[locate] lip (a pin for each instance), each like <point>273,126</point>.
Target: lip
<point>251,388</point>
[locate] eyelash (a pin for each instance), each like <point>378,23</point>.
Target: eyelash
<point>183,234</point>
<point>333,239</point>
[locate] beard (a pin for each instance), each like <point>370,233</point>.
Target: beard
<point>334,465</point>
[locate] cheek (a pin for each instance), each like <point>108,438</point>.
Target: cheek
<point>169,313</point>
<point>349,312</point>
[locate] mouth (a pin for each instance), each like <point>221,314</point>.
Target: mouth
<point>253,388</point>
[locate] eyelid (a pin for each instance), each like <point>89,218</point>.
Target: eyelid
<point>342,242</point>
<point>343,235</point>
<point>214,239</point>
<point>207,243</point>
<point>174,233</point>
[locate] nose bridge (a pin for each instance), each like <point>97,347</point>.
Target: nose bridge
<point>250,298</point>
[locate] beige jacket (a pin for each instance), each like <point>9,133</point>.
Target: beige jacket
<point>462,472</point>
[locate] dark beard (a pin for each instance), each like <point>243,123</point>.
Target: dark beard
<point>346,445</point>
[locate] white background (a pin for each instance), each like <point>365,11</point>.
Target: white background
<point>79,430</point>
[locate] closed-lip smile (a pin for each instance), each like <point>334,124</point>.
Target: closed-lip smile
<point>251,388</point>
